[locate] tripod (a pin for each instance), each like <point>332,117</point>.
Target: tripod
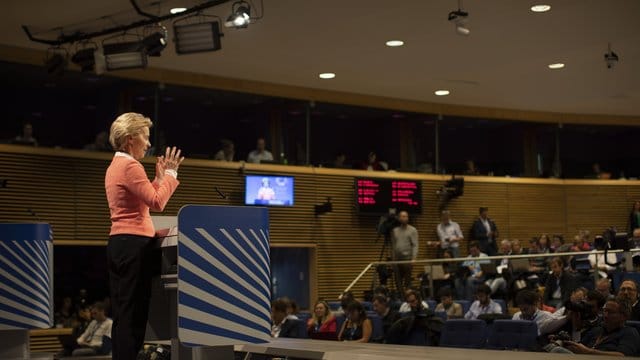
<point>383,271</point>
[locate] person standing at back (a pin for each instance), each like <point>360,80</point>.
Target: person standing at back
<point>404,245</point>
<point>485,232</point>
<point>130,195</point>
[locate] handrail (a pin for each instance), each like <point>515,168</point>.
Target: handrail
<point>463,259</point>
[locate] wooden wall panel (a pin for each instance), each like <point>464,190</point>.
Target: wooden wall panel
<point>66,188</point>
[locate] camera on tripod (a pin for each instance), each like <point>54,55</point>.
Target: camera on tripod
<point>387,223</point>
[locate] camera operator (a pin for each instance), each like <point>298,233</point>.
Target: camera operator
<point>529,303</point>
<point>611,338</point>
<point>583,315</point>
<point>404,245</point>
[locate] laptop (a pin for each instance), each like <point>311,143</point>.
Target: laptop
<point>437,272</point>
<point>520,265</point>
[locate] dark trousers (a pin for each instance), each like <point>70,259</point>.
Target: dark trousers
<point>131,266</point>
<point>403,277</point>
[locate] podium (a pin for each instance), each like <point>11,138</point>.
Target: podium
<point>213,288</point>
<point>26,285</point>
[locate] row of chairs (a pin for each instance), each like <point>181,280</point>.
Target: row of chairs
<point>368,306</point>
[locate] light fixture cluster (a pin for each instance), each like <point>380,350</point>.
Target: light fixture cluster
<point>193,32</point>
<point>460,18</point>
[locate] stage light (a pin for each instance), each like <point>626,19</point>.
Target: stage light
<point>442,92</point>
<point>85,59</point>
<point>460,18</point>
<point>240,15</point>
<point>125,55</point>
<point>394,43</point>
<point>199,37</point>
<point>555,66</point>
<point>327,75</point>
<point>540,8</point>
<point>155,43</point>
<point>178,10</point>
<point>56,61</point>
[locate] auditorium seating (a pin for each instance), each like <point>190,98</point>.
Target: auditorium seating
<point>465,305</point>
<point>513,335</point>
<point>367,305</point>
<point>635,324</point>
<point>334,305</point>
<point>432,304</point>
<point>503,304</point>
<point>304,316</point>
<point>442,315</point>
<point>464,334</point>
<point>376,324</point>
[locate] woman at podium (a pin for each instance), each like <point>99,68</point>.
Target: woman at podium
<point>130,195</point>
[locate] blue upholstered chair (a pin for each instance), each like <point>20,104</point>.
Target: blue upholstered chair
<point>513,335</point>
<point>464,334</point>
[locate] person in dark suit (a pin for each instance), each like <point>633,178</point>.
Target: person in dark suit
<point>559,284</point>
<point>629,291</point>
<point>283,326</point>
<point>485,232</point>
<point>388,315</point>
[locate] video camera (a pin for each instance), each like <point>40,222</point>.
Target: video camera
<point>611,239</point>
<point>585,309</point>
<point>387,223</point>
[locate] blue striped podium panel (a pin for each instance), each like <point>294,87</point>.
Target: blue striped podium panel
<point>26,281</point>
<point>223,275</point>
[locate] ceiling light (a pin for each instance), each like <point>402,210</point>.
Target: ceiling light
<point>541,8</point>
<point>85,58</point>
<point>178,10</point>
<point>240,15</point>
<point>442,92</point>
<point>394,43</point>
<point>200,37</point>
<point>556,66</point>
<point>125,55</point>
<point>327,75</point>
<point>155,43</point>
<point>460,18</point>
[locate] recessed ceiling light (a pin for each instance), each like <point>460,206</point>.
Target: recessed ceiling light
<point>327,75</point>
<point>442,92</point>
<point>177,10</point>
<point>556,66</point>
<point>541,8</point>
<point>394,43</point>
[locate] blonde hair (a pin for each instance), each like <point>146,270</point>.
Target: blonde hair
<point>327,313</point>
<point>127,124</point>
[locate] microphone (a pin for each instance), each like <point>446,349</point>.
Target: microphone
<point>222,195</point>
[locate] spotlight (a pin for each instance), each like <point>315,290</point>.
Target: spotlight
<point>611,58</point>
<point>240,15</point>
<point>125,55</point>
<point>460,18</point>
<point>155,43</point>
<point>85,59</point>
<point>200,37</point>
<point>56,61</point>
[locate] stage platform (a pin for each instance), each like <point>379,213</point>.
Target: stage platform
<point>333,350</point>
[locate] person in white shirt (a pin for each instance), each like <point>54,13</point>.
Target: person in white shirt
<point>529,303</point>
<point>91,340</point>
<point>227,152</point>
<point>260,153</point>
<point>483,304</point>
<point>465,287</point>
<point>449,234</point>
<point>598,260</point>
<point>499,282</point>
<point>412,299</point>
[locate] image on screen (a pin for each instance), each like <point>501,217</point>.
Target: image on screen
<point>268,190</point>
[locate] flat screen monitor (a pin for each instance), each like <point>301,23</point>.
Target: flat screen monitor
<point>269,190</point>
<point>379,195</point>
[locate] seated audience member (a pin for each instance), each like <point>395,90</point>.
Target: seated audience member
<point>516,248</point>
<point>529,303</point>
<point>598,261</point>
<point>449,235</point>
<point>629,291</point>
<point>388,315</point>
<point>91,340</point>
<point>100,143</point>
<point>413,302</point>
<point>292,308</point>
<point>281,325</point>
<point>612,338</point>
<point>539,246</point>
<point>372,163</point>
<point>465,287</point>
<point>499,281</point>
<point>260,153</point>
<point>346,298</point>
<point>322,319</point>
<point>339,162</point>
<point>79,325</point>
<point>603,286</point>
<point>26,138</point>
<point>483,304</point>
<point>453,309</point>
<point>582,312</point>
<point>559,285</point>
<point>357,327</point>
<point>227,152</point>
<point>64,317</point>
